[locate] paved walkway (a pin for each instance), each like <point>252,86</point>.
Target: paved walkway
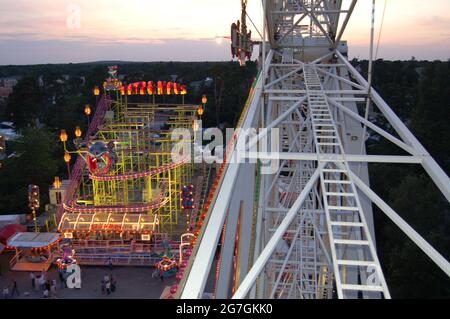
<point>132,282</point>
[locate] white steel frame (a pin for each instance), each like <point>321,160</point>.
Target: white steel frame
<point>312,234</point>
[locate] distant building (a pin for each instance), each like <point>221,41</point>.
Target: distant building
<point>7,85</point>
<point>200,84</point>
<point>208,82</point>
<point>41,81</point>
<point>7,131</point>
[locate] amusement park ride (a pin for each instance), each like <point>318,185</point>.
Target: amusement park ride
<point>304,230</point>
<point>124,203</point>
<point>241,40</point>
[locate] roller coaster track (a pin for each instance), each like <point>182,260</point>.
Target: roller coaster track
<point>77,170</point>
<point>152,172</point>
<point>131,208</point>
<point>70,204</point>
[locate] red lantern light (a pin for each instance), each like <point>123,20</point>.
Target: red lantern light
<point>150,88</point>
<point>136,87</point>
<point>160,88</point>
<point>169,88</point>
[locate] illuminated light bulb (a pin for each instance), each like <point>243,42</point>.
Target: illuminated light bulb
<point>87,109</point>
<point>77,131</point>
<point>57,182</point>
<point>63,136</point>
<point>67,157</point>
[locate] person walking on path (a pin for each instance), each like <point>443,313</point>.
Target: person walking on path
<point>53,290</point>
<point>103,283</point>
<point>108,287</point>
<point>41,281</point>
<point>5,292</point>
<point>62,279</point>
<point>110,263</point>
<point>113,284</point>
<point>14,289</point>
<point>33,280</point>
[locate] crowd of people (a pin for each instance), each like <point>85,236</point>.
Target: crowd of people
<point>48,288</point>
<point>39,282</point>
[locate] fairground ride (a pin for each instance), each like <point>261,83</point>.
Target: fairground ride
<point>124,201</point>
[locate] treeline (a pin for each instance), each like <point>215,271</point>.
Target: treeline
<point>419,92</point>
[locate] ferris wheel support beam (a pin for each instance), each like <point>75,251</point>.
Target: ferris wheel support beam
<point>235,253</point>
<point>259,264</point>
<point>344,25</point>
<point>206,248</point>
<point>434,255</point>
<point>318,24</point>
<point>399,159</point>
<point>307,12</point>
<point>436,173</point>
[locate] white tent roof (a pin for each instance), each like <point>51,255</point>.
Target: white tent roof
<point>33,240</point>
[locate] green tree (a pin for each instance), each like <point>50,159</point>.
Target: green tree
<point>430,120</point>
<point>36,162</point>
<point>410,273</point>
<point>24,103</point>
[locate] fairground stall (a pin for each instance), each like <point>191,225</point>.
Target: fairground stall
<point>34,251</point>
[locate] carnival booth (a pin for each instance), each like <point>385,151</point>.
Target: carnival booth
<point>34,251</point>
<point>167,266</point>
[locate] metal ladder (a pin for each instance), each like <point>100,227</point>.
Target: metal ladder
<point>357,270</point>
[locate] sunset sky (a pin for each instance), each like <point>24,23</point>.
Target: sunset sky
<point>37,31</point>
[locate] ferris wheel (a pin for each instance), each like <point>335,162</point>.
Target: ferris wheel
<point>301,214</point>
